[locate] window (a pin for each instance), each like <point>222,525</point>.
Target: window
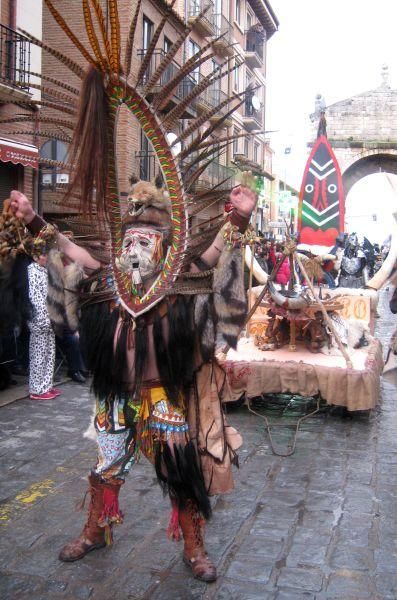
<point>51,176</point>
<point>193,49</point>
<point>167,45</point>
<point>236,131</point>
<point>246,148</point>
<point>256,152</point>
<point>147,32</point>
<point>237,15</point>
<point>236,76</point>
<point>249,20</point>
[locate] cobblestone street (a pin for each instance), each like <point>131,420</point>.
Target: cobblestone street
<point>319,524</point>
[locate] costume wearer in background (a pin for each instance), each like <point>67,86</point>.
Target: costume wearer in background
<point>352,269</point>
<point>152,308</point>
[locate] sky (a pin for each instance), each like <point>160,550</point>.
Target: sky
<point>335,48</point>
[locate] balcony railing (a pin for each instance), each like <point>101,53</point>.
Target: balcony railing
<point>182,90</point>
<point>14,58</point>
<point>204,24</point>
<point>254,45</point>
<point>222,27</point>
<point>215,175</point>
<point>253,115</point>
<point>221,173</point>
<point>211,97</point>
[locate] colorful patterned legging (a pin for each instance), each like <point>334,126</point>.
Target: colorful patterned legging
<point>127,428</point>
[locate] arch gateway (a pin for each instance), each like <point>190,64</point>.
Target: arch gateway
<point>362,131</point>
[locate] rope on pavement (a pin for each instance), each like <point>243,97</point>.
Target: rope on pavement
<point>268,428</point>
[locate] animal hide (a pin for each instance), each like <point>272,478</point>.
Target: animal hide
<point>230,302</point>
<point>353,333</point>
<point>205,326</point>
<point>56,293</point>
<point>62,298</point>
<point>73,275</point>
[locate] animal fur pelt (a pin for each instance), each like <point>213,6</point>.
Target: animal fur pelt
<point>230,302</point>
<point>205,326</point>
<point>56,292</point>
<point>62,299</point>
<point>73,275</point>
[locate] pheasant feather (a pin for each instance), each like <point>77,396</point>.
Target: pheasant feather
<point>166,61</point>
<point>130,40</point>
<point>114,35</point>
<point>102,27</point>
<point>92,37</point>
<point>167,90</point>
<point>149,52</point>
<point>68,62</point>
<point>37,119</point>
<point>56,82</point>
<point>46,134</point>
<point>53,105</point>
<point>62,24</point>
<point>174,114</point>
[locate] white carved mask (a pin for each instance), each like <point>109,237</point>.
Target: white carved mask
<point>141,251</point>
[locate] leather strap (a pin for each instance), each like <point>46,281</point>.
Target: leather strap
<point>36,225</point>
<point>236,219</point>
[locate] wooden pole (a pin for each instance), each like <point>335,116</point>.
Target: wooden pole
<point>327,319</point>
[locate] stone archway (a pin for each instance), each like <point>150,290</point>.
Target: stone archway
<point>368,163</point>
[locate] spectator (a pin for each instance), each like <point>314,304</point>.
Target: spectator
<point>69,343</point>
<point>42,337</point>
<point>284,272</point>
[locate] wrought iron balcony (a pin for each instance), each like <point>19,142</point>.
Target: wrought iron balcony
<point>204,25</point>
<point>14,61</point>
<point>221,174</point>
<point>155,60</point>
<point>209,99</point>
<point>184,87</point>
<point>215,175</point>
<point>223,28</point>
<point>254,47</point>
<point>253,113</point>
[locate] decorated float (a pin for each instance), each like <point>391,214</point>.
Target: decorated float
<point>310,340</point>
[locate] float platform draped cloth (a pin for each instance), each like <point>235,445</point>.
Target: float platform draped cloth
<point>307,374</point>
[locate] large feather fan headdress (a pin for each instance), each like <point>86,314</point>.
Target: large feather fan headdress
<point>88,120</point>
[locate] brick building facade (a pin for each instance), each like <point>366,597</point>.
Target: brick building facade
<point>18,59</point>
<point>245,26</point>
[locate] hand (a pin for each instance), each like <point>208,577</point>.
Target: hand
<point>21,207</point>
<point>243,197</point>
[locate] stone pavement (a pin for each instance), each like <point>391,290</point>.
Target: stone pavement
<point>320,524</point>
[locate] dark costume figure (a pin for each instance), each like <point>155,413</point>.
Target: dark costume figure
<point>352,268</point>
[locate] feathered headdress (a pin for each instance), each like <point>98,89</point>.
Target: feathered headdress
<point>91,115</point>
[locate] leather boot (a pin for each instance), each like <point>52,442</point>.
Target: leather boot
<point>194,553</point>
<point>102,513</point>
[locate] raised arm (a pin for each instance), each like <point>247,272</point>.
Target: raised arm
<point>243,200</point>
<point>23,210</point>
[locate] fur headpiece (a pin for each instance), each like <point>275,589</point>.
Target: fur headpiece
<point>148,204</point>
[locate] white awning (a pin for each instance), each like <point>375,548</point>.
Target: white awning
<point>19,154</point>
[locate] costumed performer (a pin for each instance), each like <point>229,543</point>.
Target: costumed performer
<point>157,384</point>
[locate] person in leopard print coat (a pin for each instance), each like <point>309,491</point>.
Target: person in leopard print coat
<point>42,337</point>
